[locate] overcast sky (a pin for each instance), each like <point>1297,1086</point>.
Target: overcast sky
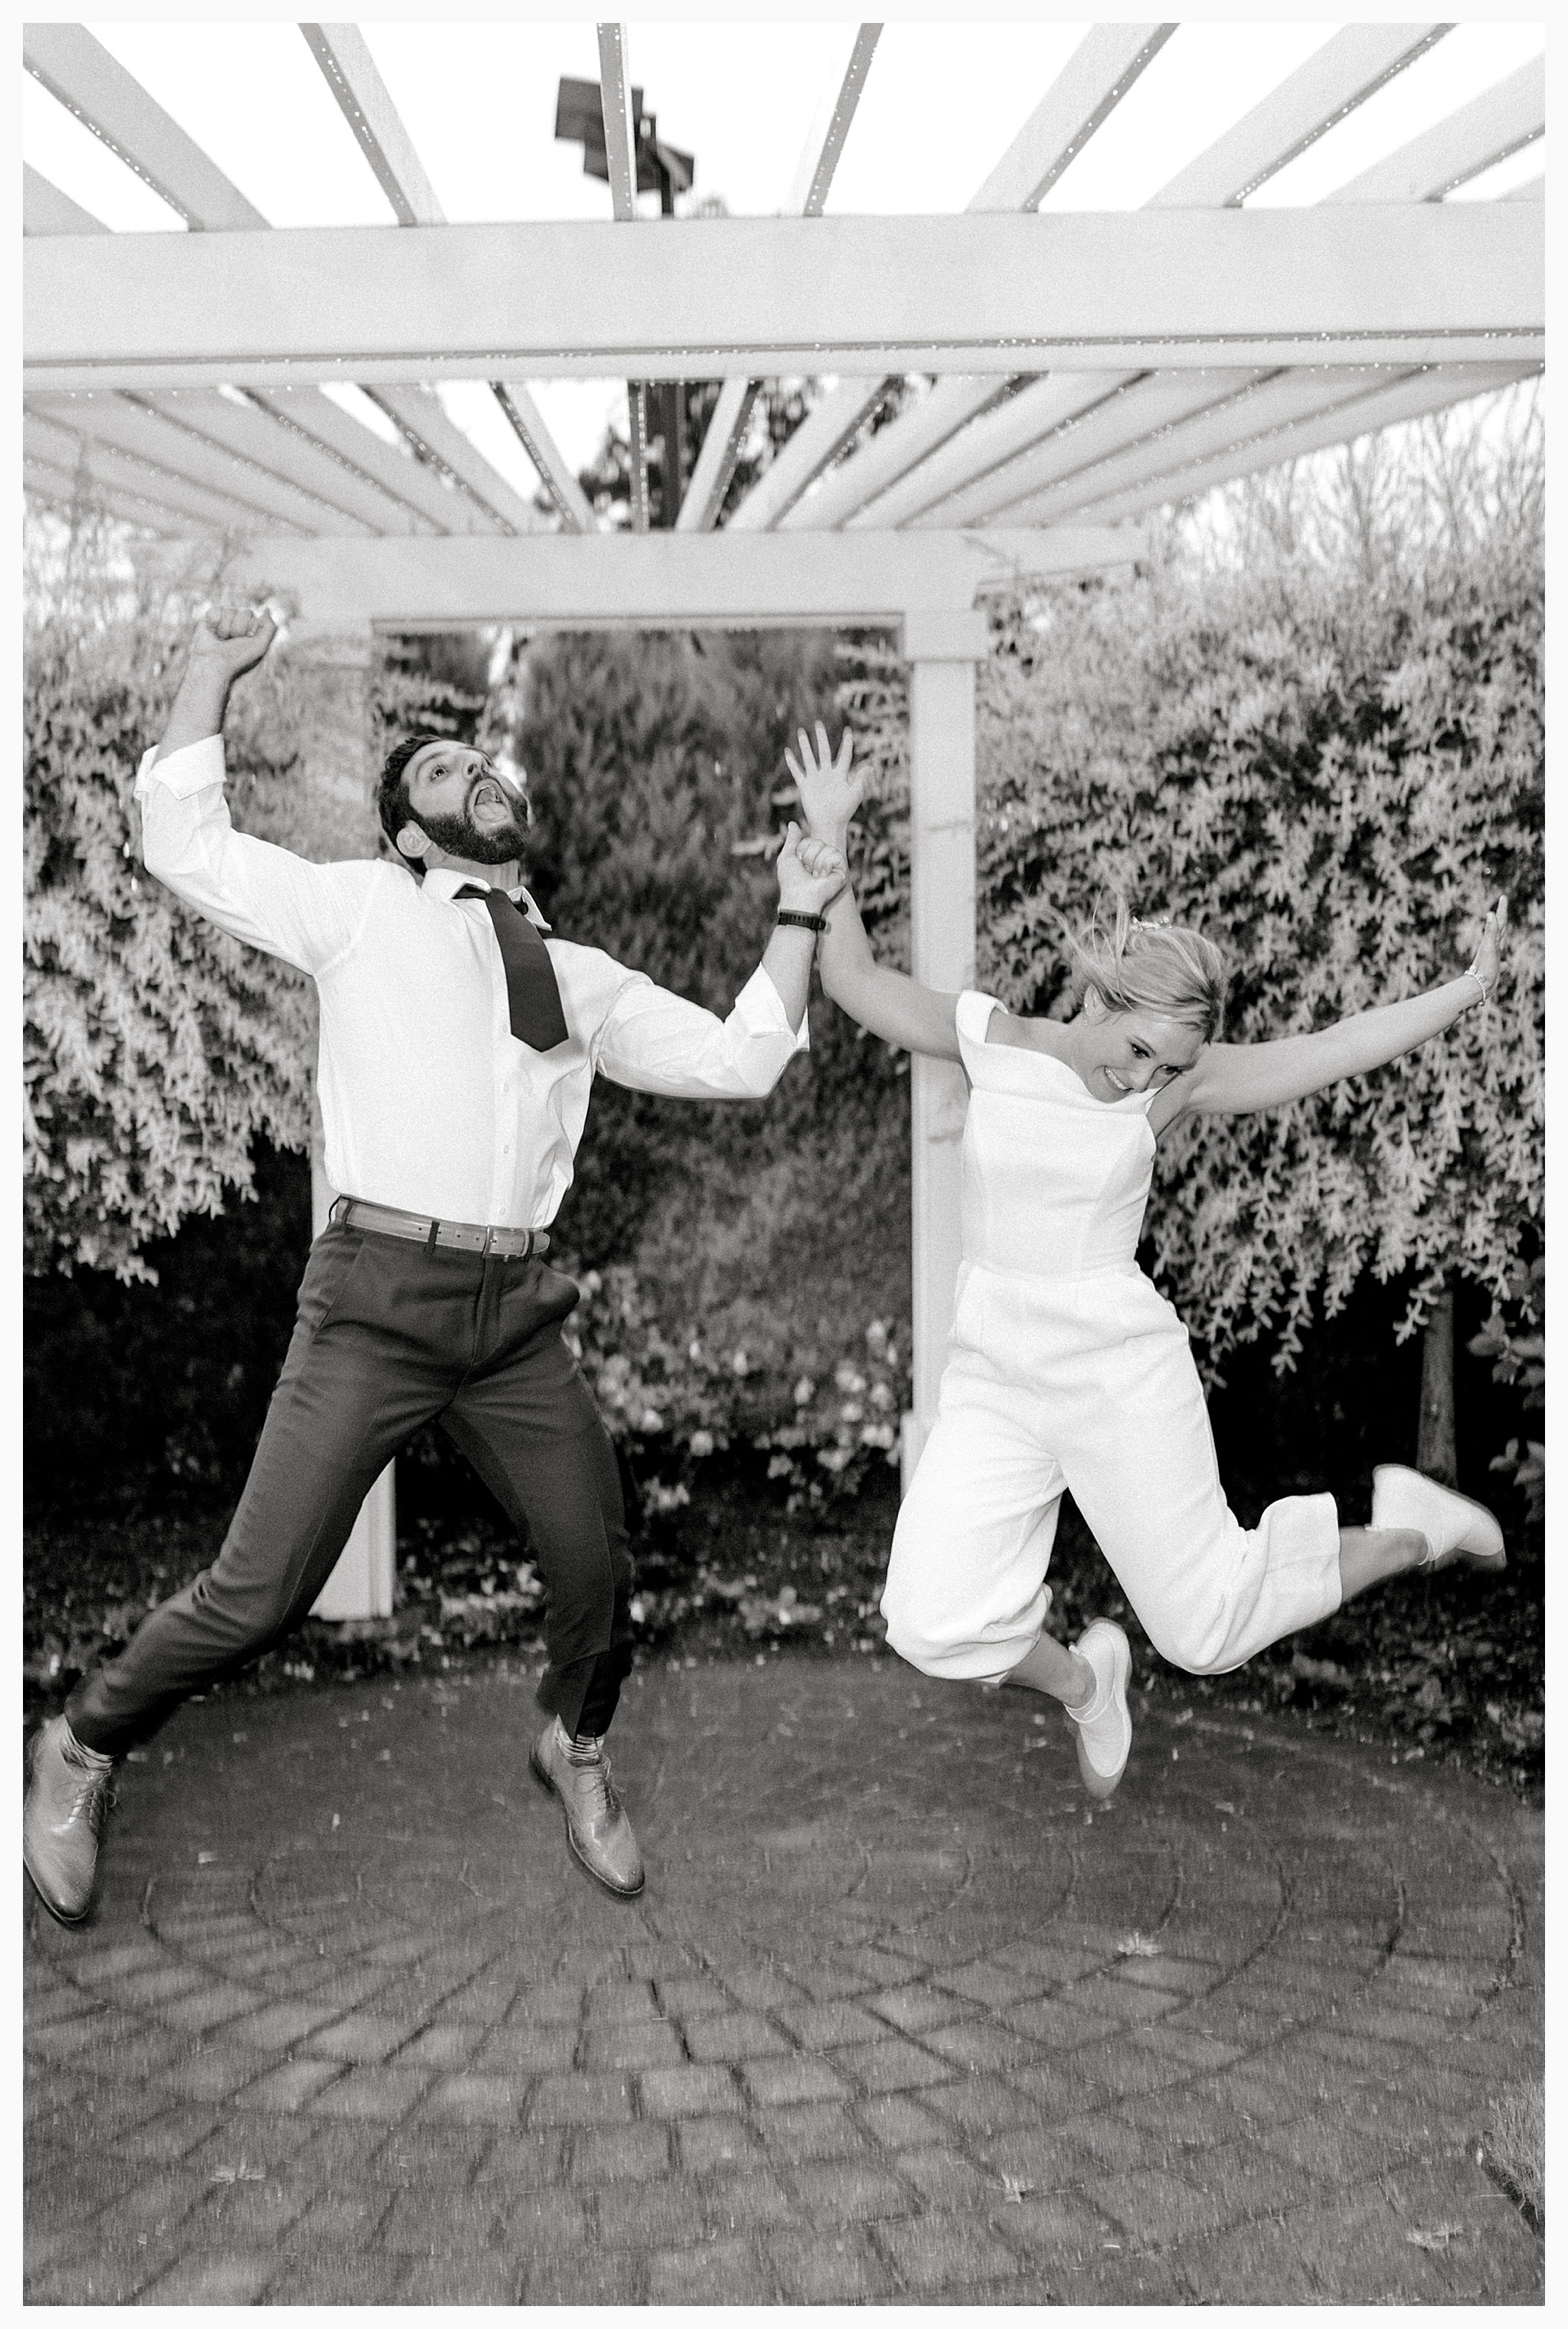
<point>941,104</point>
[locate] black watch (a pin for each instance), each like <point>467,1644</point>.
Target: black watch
<point>817,922</point>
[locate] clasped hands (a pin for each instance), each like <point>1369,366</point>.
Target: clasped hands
<point>829,794</point>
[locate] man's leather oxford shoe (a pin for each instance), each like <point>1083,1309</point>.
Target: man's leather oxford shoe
<point>63,1819</point>
<point>597,1826</point>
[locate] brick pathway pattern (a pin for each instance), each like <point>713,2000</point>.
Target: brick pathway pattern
<point>899,2019</point>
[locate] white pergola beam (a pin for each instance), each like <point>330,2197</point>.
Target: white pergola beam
<point>354,79</point>
<point>96,88</point>
<point>366,103</point>
<point>1085,93</point>
<point>1099,71</point>
<point>808,191</point>
<point>528,426</point>
<point>620,155</point>
<point>820,157</point>
<point>1416,393</point>
<point>1348,69</point>
<point>1246,417</point>
<point>669,580</point>
<point>899,451</point>
<point>1044,406</point>
<point>821,436</point>
<point>290,455</point>
<point>60,489</point>
<point>254,496</point>
<point>1132,414</point>
<point>715,462</point>
<point>46,210</point>
<point>619,131</point>
<point>1498,123</point>
<point>181,497</point>
<point>396,470</point>
<point>420,415</point>
<point>1097,291</point>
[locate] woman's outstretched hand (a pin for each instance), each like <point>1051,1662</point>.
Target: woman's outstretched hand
<point>830,790</point>
<point>811,872</point>
<point>1488,958</point>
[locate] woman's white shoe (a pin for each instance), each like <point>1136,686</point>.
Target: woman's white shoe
<point>1455,1528</point>
<point>1103,1731</point>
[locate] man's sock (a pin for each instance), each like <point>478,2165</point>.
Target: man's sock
<point>581,1749</point>
<point>91,1756</point>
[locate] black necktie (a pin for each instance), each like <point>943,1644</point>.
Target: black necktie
<point>533,996</point>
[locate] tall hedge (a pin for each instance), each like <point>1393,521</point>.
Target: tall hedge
<point>1324,743</point>
<point>156,1050</point>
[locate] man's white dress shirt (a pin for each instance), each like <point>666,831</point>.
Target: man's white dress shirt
<point>428,1101</point>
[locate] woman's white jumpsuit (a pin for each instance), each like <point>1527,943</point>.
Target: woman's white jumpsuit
<point>1068,1370</point>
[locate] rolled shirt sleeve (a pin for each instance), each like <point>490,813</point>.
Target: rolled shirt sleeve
<point>653,1041</point>
<point>305,914</point>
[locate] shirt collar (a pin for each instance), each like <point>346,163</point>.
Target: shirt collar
<point>444,881</point>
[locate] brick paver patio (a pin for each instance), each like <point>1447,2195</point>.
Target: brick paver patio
<point>899,2018</point>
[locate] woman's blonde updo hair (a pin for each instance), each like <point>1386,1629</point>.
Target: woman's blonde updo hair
<point>1132,965</point>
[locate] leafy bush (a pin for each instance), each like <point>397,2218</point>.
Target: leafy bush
<point>156,1050</point>
<point>1516,1343</point>
<point>674,1401</point>
<point>1332,754</point>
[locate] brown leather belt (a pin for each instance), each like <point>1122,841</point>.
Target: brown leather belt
<point>467,1237</point>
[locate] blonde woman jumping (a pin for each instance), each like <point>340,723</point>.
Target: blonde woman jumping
<point>1067,1369</point>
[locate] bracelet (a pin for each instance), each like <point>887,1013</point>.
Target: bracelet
<point>817,922</point>
<point>1480,982</point>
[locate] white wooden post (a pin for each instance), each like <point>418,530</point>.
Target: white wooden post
<point>343,825</point>
<point>942,650</point>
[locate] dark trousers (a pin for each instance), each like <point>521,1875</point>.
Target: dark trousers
<point>390,1336</point>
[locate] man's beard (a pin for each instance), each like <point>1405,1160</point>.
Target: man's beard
<point>460,836</point>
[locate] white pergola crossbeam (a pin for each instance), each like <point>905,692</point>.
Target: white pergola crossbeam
<point>1408,399</point>
<point>1151,289</point>
<point>46,210</point>
<point>290,455</point>
<point>1491,126</point>
<point>819,158</point>
<point>821,436</point>
<point>619,132</point>
<point>668,581</point>
<point>620,156</point>
<point>180,449</point>
<point>366,103</point>
<point>420,414</point>
<point>96,88</point>
<point>1343,75</point>
<point>1348,69</point>
<point>1247,416</point>
<point>213,499</point>
<point>901,450</point>
<point>721,449</point>
<point>813,181</point>
<point>63,490</point>
<point>1138,412</point>
<point>1085,93</point>
<point>422,488</point>
<point>1098,75</point>
<point>989,442</point>
<point>528,424</point>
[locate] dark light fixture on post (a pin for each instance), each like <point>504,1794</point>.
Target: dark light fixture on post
<point>661,169</point>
